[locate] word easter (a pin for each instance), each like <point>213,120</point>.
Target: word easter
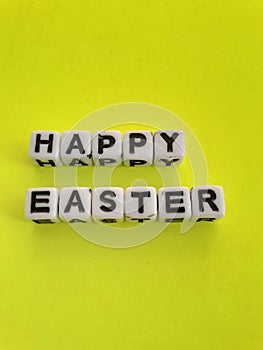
<point>113,204</point>
<point>107,148</point>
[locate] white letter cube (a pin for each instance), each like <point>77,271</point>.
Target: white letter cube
<point>138,148</point>
<point>75,204</point>
<point>44,148</point>
<point>108,204</point>
<point>42,205</point>
<point>174,204</point>
<point>169,147</point>
<point>76,148</point>
<point>140,204</point>
<point>107,147</point>
<point>207,203</point>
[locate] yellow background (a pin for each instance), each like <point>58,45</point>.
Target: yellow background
<point>59,61</point>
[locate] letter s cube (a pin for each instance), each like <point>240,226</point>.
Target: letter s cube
<point>108,204</point>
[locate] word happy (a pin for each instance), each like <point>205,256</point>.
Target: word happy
<point>107,148</point>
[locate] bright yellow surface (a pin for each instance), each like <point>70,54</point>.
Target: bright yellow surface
<point>61,60</point>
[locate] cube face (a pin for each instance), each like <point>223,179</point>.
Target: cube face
<point>207,203</point>
<point>75,148</point>
<point>140,204</point>
<point>169,147</point>
<point>138,148</point>
<point>174,204</point>
<point>108,204</point>
<point>45,148</point>
<point>42,205</point>
<point>107,147</point>
<point>75,204</point>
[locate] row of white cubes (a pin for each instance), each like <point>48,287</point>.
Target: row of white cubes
<point>107,148</point>
<point>112,204</point>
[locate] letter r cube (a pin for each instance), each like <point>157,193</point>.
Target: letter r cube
<point>207,203</point>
